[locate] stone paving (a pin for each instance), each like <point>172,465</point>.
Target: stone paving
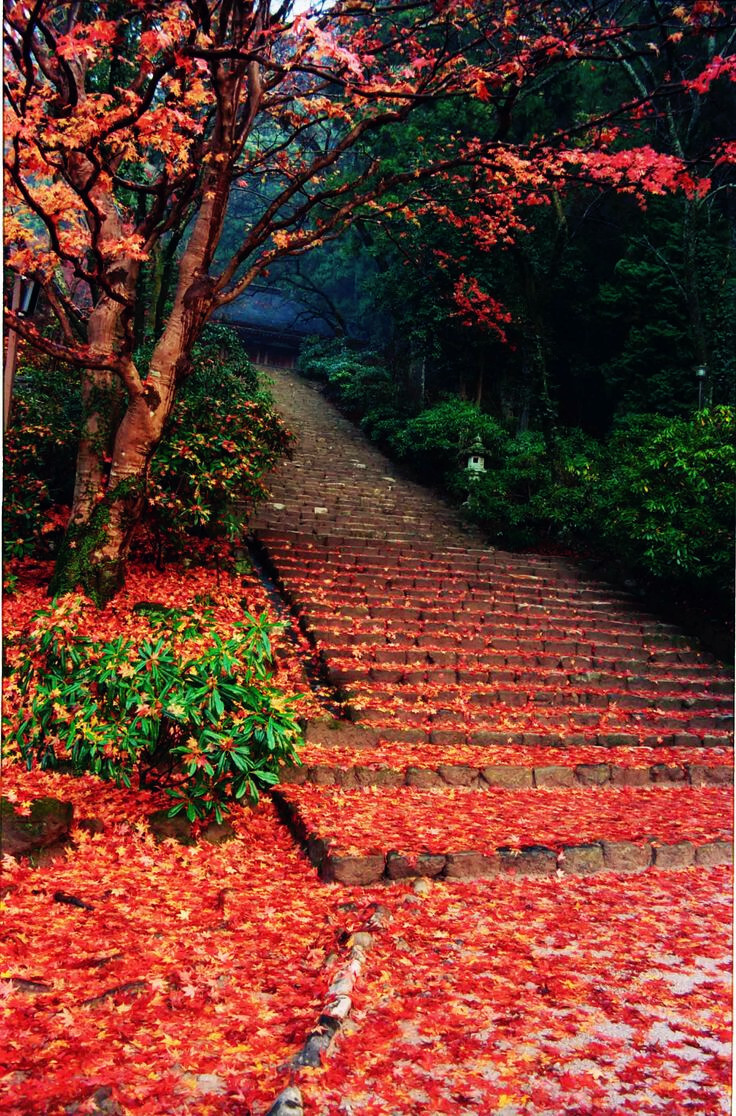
<point>473,672</point>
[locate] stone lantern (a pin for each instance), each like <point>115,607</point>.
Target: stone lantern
<point>476,460</point>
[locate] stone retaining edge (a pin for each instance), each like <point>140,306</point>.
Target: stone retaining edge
<point>509,776</point>
<point>585,859</point>
<point>335,1011</point>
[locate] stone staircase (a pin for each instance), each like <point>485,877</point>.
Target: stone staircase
<point>498,685</point>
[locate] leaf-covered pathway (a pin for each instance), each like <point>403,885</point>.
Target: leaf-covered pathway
<point>505,704</point>
<point>515,720</point>
<point>516,724</point>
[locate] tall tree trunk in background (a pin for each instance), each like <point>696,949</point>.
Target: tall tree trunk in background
<point>534,373</point>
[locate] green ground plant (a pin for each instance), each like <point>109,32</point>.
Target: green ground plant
<point>195,708</point>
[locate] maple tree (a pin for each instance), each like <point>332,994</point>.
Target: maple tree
<point>129,125</point>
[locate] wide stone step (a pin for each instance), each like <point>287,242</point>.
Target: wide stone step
<point>364,759</point>
<point>361,836</point>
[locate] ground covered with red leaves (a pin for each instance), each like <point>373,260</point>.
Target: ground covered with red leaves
<point>544,997</point>
<point>182,980</point>
<point>198,972</point>
<point>407,820</point>
<point>188,970</point>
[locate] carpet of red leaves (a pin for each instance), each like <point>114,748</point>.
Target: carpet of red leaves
<point>192,975</point>
<point>192,961</point>
<point>451,819</point>
<point>543,998</point>
<point>398,755</point>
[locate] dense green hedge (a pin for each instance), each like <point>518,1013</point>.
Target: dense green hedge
<point>656,497</point>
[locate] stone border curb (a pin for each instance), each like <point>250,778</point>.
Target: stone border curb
<point>335,1011</point>
<point>509,776</point>
<point>523,860</point>
<point>339,1000</point>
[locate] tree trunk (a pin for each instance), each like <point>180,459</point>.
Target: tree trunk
<point>108,504</point>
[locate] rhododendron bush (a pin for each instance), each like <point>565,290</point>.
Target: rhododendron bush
<point>183,688</point>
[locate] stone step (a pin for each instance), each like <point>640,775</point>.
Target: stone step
<point>368,834</point>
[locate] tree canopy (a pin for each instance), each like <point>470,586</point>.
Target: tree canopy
<point>132,125</point>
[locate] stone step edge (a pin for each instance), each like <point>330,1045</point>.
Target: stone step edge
<point>585,859</point>
<point>509,776</point>
<point>351,731</point>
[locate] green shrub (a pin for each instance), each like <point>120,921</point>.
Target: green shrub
<point>222,435</point>
<point>207,472</point>
<point>438,439</point>
<point>357,381</point>
<point>39,452</point>
<point>531,492</point>
<point>666,502</point>
<point>658,497</point>
<point>315,355</point>
<point>183,700</point>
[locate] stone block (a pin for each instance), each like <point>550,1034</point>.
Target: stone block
<point>667,773</point>
<point>470,865</point>
<point>715,852</point>
<point>629,776</point>
<point>322,775</point>
<point>353,871</point>
<point>377,776</point>
<point>626,856</point>
<point>219,833</point>
<point>293,776</point>
<point>458,775</point>
<point>494,738</point>
<point>399,867</point>
<point>505,775</point>
<point>346,777</point>
<point>446,736</point>
<point>423,777</point>
<point>289,1102</point>
<point>165,828</point>
<point>431,864</point>
<point>409,735</point>
<point>679,855</point>
<point>531,860</point>
<point>593,774</point>
<point>714,776</point>
<point>617,739</point>
<point>581,860</point>
<point>47,824</point>
<point>554,775</point>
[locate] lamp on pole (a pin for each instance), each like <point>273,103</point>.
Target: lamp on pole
<point>700,374</point>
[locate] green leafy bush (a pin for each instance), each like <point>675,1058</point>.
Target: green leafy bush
<point>39,450</point>
<point>357,381</point>
<point>199,708</point>
<point>222,435</point>
<point>666,500</point>
<point>531,492</point>
<point>657,497</point>
<point>438,439</point>
<point>206,474</point>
